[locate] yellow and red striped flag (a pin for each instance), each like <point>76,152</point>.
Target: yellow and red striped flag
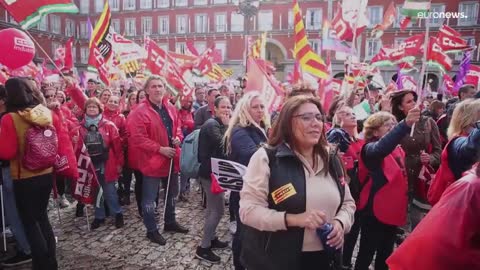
<point>308,59</point>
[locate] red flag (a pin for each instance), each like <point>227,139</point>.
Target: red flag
<point>473,75</point>
<point>437,57</point>
<point>404,23</point>
<point>191,48</point>
<point>342,28</point>
<point>448,83</point>
<point>68,63</point>
<point>156,58</point>
<point>388,19</point>
<point>98,61</point>
<point>29,13</point>
<point>85,187</point>
<point>451,40</point>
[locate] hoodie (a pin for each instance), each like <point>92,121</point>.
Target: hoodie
<point>13,127</point>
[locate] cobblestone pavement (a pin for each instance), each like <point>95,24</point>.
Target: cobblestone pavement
<point>128,248</point>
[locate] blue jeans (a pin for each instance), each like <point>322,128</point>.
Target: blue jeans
<point>150,189</point>
<point>109,195</point>
<point>184,184</point>
<point>11,212</point>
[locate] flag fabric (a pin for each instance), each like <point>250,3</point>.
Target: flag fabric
<point>448,84</point>
<point>228,174</point>
<point>463,69</point>
<point>127,50</point>
<point>68,60</point>
<point>404,23</point>
<point>473,76</point>
<point>451,41</point>
<point>354,12</point>
<point>99,47</point>
<point>406,82</point>
<point>437,57</point>
<point>331,42</point>
<point>388,19</point>
<point>259,80</point>
<point>89,28</point>
<point>308,59</point>
<point>258,47</point>
<point>29,13</point>
<point>411,8</point>
<point>156,58</point>
<point>191,48</point>
<point>85,187</point>
<point>344,29</point>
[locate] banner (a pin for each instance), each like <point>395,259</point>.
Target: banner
<point>228,174</point>
<point>29,13</point>
<point>451,41</point>
<point>85,187</point>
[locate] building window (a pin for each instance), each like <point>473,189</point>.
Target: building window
<point>221,22</point>
<point>146,4</point>
<point>373,47</point>
<point>400,17</point>
<point>69,28</point>
<point>163,25</point>
<point>74,53</point>
<point>200,2</point>
<point>314,19</point>
<point>200,46</point>
<point>114,5</point>
<point>182,24</point>
<point>437,9</point>
<point>290,19</point>
<point>201,23</point>
<point>43,24</point>
<point>375,15</point>
<point>130,27</point>
<point>84,7</point>
<point>222,46</point>
<point>163,3</point>
<point>146,25</point>
<point>265,20</point>
<point>55,46</point>
<point>128,4</point>
<point>219,1</point>
<point>98,6</point>
<point>316,46</point>
<point>180,47</point>
<point>55,24</point>
<point>116,25</point>
<point>84,55</point>
<point>181,3</point>
<point>83,30</point>
<point>470,12</point>
<point>236,24</point>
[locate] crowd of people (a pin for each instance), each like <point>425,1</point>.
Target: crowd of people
<point>378,164</point>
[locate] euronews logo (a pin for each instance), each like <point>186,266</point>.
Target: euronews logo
<point>441,15</point>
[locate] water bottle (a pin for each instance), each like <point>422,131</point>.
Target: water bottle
<point>323,233</point>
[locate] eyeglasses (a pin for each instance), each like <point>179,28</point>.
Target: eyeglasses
<point>309,117</point>
<point>49,96</point>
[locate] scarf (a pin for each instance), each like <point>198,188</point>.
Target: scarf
<point>92,120</point>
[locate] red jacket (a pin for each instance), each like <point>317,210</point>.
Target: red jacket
<point>112,139</point>
<point>146,135</point>
<point>391,200</point>
<point>120,122</point>
<point>187,122</point>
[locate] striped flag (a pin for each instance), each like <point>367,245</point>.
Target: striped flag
<point>412,8</point>
<point>308,59</point>
<point>101,49</point>
<point>29,13</point>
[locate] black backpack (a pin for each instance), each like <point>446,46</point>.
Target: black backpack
<point>96,147</point>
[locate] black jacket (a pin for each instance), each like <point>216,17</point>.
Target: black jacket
<point>210,144</point>
<point>281,250</point>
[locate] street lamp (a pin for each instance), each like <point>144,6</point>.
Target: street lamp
<point>248,9</point>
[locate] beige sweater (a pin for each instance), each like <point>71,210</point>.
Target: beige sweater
<point>322,194</point>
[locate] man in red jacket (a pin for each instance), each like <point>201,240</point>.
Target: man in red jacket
<point>156,134</point>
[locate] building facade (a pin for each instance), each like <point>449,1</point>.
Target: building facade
<point>172,22</point>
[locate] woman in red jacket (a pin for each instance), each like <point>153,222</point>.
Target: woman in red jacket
<point>103,143</point>
<point>383,198</point>
<point>449,235</point>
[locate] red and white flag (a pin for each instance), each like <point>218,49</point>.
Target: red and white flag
<point>85,187</point>
<point>451,40</point>
<point>437,57</point>
<point>473,75</point>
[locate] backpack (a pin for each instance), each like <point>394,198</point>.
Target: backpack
<point>41,148</point>
<point>95,145</point>
<point>189,165</point>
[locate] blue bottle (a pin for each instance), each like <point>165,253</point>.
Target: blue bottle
<point>323,233</point>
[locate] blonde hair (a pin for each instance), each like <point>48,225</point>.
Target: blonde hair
<point>374,122</point>
<point>464,115</point>
<point>242,118</point>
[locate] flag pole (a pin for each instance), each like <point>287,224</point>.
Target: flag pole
<point>422,71</point>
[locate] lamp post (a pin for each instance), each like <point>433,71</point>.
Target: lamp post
<point>248,9</point>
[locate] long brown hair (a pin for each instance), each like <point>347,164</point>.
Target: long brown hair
<point>282,131</point>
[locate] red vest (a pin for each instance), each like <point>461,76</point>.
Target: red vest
<point>352,154</point>
<point>443,178</point>
<point>391,200</point>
